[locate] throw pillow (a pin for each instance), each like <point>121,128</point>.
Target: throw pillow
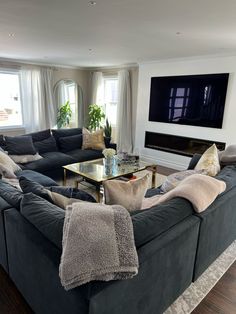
<point>69,143</point>
<point>8,163</point>
<point>209,161</point>
<point>73,193</point>
<point>94,140</point>
<point>7,173</point>
<point>24,159</point>
<point>61,200</point>
<point>47,145</point>
<point>175,178</point>
<point>46,217</point>
<point>29,186</point>
<point>40,135</point>
<point>20,145</point>
<point>127,194</point>
<point>61,196</point>
<point>228,156</point>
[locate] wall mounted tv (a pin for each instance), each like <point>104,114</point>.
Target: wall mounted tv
<point>190,100</point>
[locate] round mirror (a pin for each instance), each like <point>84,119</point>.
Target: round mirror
<point>67,91</point>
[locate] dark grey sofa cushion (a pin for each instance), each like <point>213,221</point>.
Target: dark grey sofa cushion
<point>51,160</point>
<point>28,186</point>
<point>68,143</point>
<point>10,194</point>
<point>46,217</point>
<point>72,193</point>
<point>152,222</point>
<point>84,155</point>
<point>47,145</point>
<point>20,145</point>
<point>40,135</point>
<point>57,133</point>
<point>194,160</point>
<point>147,224</point>
<point>37,177</point>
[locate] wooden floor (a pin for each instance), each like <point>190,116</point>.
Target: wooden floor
<point>221,299</point>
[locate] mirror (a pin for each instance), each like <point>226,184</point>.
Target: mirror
<point>68,90</point>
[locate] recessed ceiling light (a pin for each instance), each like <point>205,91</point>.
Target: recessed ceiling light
<point>92,3</point>
<point>11,34</point>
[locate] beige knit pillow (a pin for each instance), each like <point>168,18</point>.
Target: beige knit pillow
<point>61,200</point>
<point>94,140</point>
<point>127,194</point>
<point>209,162</point>
<point>8,163</point>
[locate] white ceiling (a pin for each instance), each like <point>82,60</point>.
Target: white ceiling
<point>117,31</point>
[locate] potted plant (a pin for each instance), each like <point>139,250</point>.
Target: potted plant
<point>107,131</point>
<point>96,115</point>
<point>64,115</point>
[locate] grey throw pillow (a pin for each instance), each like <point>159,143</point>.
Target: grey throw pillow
<point>175,178</point>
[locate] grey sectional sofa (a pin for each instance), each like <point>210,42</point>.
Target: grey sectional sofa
<point>58,147</point>
<point>175,245</point>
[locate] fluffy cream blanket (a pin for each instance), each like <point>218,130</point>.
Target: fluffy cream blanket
<point>201,190</point>
<point>98,244</point>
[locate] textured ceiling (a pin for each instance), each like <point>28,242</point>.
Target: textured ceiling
<point>115,32</point>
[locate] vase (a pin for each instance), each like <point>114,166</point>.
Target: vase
<point>108,164</point>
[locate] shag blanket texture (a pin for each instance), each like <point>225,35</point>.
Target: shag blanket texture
<point>98,244</point>
<point>201,190</point>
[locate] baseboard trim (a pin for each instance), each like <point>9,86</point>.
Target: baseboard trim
<point>164,162</point>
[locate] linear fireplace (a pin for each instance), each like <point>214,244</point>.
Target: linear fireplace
<point>180,145</point>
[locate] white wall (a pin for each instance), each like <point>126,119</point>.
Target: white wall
<point>184,67</point>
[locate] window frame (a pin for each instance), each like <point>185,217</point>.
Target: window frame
<point>107,77</point>
<point>18,126</point>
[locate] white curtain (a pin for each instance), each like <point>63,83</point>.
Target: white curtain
<point>38,104</point>
<point>124,113</point>
<point>97,91</point>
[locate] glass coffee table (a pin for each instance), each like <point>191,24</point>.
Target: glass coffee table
<point>95,172</point>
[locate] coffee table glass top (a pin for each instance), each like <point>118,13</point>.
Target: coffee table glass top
<point>96,170</point>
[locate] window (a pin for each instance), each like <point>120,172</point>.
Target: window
<point>111,98</point>
<point>178,103</point>
<point>10,100</point>
<point>70,92</point>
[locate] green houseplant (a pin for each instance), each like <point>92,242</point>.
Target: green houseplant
<point>96,115</point>
<point>107,129</point>
<point>64,115</point>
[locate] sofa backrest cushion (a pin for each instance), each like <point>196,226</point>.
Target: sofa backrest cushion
<point>40,135</point>
<point>2,142</point>
<point>37,177</point>
<point>194,160</point>
<point>20,145</point>
<point>152,222</point>
<point>72,193</point>
<point>58,133</point>
<point>29,186</point>
<point>47,145</point>
<point>68,143</point>
<point>10,194</point>
<point>46,217</point>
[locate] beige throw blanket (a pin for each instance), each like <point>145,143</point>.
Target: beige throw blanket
<point>201,190</point>
<point>98,244</point>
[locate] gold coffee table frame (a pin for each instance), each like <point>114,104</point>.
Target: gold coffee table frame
<point>95,172</point>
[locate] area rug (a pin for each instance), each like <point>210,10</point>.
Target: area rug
<point>197,291</point>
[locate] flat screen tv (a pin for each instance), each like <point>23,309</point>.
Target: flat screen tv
<point>191,100</point>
